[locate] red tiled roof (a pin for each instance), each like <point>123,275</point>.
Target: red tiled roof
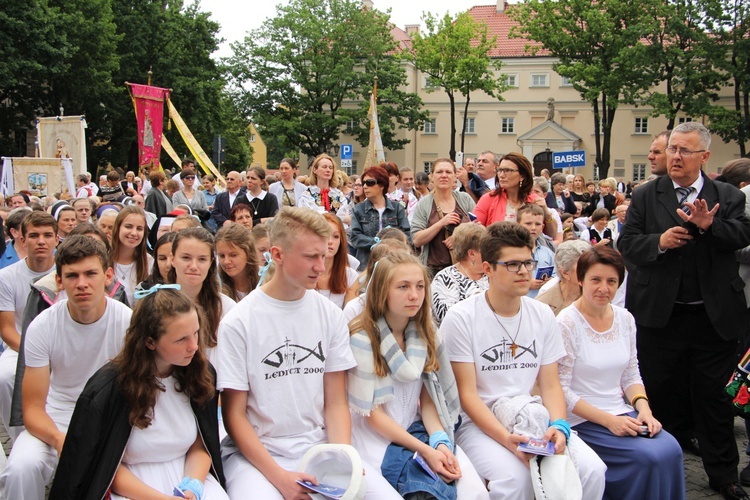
<point>401,37</point>
<point>499,24</point>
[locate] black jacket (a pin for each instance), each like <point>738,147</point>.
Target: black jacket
<point>655,278</point>
<point>99,431</point>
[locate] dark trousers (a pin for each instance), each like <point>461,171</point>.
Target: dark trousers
<point>688,356</point>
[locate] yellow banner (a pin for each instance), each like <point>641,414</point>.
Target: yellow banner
<point>170,150</point>
<point>195,149</point>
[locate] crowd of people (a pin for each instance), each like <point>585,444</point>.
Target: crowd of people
<point>476,333</point>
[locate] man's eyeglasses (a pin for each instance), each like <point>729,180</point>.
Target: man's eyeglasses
<point>369,182</point>
<point>189,177</point>
<point>506,171</point>
<point>514,266</point>
<point>685,153</point>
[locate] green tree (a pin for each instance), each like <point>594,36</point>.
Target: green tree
<point>311,68</point>
<point>680,53</point>
<point>454,54</point>
<point>730,23</point>
<point>175,42</point>
<point>596,46</point>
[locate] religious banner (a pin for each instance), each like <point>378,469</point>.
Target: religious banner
<point>375,153</point>
<point>195,149</point>
<point>148,102</point>
<point>63,137</point>
<point>41,176</point>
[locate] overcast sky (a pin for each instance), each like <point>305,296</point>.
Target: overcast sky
<point>236,17</point>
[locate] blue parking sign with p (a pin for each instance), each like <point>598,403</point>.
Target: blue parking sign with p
<point>347,151</point>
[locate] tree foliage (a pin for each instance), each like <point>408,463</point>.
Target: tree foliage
<point>80,53</point>
<point>729,22</point>
<point>311,68</point>
<point>680,53</point>
<point>596,44</point>
<point>454,54</point>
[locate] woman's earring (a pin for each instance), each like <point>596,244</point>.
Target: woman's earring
<point>520,183</point>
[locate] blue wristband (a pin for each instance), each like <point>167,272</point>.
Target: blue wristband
<point>563,426</point>
<point>193,485</point>
<point>440,437</point>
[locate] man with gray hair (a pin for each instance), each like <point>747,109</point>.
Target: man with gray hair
<point>686,295</point>
<point>487,164</point>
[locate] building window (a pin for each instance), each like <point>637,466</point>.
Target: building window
<point>641,125</point>
<point>507,125</point>
<point>684,119</point>
<point>427,165</point>
<point>540,80</point>
<point>565,82</point>
<point>252,137</point>
<point>469,126</point>
<point>639,171</point>
<point>430,126</point>
<point>429,83</point>
<point>349,126</point>
<point>511,80</point>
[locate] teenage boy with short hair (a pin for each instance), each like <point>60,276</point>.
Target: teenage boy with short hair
<point>39,236</point>
<point>500,344</point>
<point>283,356</point>
<point>63,347</point>
<point>532,218</point>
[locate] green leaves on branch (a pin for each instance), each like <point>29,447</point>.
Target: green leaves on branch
<point>311,68</point>
<point>454,54</point>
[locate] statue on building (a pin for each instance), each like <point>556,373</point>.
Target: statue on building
<point>551,109</point>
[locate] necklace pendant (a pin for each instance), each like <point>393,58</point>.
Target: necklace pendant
<point>256,212</point>
<point>513,349</point>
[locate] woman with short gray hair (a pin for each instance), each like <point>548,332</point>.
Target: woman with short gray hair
<point>563,289</point>
<point>558,198</point>
<point>463,279</point>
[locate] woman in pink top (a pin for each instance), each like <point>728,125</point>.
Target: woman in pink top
<point>514,180</point>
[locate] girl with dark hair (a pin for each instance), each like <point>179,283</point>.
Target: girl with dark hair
<point>146,423</point>
<point>194,269</point>
<point>238,264</point>
<point>129,249</point>
<point>335,283</point>
<point>287,191</point>
<point>263,204</point>
<point>162,262</point>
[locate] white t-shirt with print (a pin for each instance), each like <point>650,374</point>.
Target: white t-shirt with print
<point>278,351</point>
<point>472,335</point>
<point>73,351</point>
<point>15,286</point>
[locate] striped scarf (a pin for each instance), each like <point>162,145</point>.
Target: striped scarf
<point>367,391</point>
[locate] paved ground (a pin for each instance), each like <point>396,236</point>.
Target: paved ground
<point>695,478</point>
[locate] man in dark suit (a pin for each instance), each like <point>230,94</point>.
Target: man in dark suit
<point>685,292</point>
<point>225,201</point>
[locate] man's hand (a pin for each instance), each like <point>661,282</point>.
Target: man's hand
<point>463,176</point>
<point>674,237</point>
<point>700,215</point>
<point>512,442</point>
<point>287,485</point>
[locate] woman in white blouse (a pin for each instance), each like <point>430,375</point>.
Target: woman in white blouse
<point>643,461</point>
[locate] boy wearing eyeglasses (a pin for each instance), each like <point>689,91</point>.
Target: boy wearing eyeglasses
<point>501,343</point>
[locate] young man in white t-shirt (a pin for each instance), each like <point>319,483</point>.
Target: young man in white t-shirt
<point>283,353</point>
<point>39,236</point>
<point>63,347</point>
<point>500,344</point>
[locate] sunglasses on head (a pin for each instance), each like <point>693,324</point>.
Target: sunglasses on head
<point>369,182</point>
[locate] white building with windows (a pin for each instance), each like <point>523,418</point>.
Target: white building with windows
<point>519,122</point>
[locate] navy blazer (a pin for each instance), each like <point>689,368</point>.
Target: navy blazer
<point>654,281</point>
<point>221,210</point>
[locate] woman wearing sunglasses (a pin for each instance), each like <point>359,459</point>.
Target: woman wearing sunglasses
<point>375,213</point>
<point>188,195</point>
